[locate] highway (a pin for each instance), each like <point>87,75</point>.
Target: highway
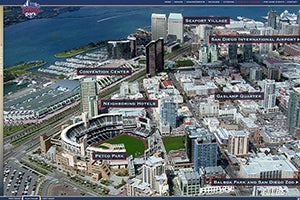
<point>19,150</point>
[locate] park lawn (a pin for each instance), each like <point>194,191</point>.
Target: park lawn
<point>174,143</point>
<point>134,146</point>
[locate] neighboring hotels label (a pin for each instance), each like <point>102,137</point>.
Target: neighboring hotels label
<point>103,71</point>
<point>206,20</point>
<point>216,39</point>
<point>30,9</point>
<point>222,96</point>
<point>109,156</point>
<point>251,182</point>
<point>129,103</point>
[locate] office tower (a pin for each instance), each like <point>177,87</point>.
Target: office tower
<point>155,57</point>
<point>168,112</point>
<point>205,151</point>
<point>232,53</point>
<point>87,88</point>
<point>153,167</point>
<point>214,52</point>
<point>248,55</point>
<point>192,133</point>
<point>159,54</point>
<point>119,49</point>
<point>133,51</point>
<point>298,21</point>
<point>238,143</point>
<point>293,118</point>
<point>158,26</point>
<point>272,19</point>
<point>189,182</point>
<point>203,53</point>
<point>93,106</point>
<point>289,29</point>
<point>268,87</point>
<point>204,31</point>
<point>255,74</point>
<point>265,48</point>
<point>175,25</point>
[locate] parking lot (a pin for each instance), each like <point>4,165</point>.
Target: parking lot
<point>19,180</point>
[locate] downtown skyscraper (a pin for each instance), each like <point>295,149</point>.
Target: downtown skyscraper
<point>293,118</point>
<point>155,57</point>
<point>88,91</point>
<point>158,26</point>
<point>175,25</point>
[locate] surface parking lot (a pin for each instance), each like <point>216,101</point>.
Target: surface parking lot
<point>19,180</point>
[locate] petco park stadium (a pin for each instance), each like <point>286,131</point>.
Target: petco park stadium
<point>80,137</point>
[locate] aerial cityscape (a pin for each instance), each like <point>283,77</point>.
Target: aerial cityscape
<point>178,107</point>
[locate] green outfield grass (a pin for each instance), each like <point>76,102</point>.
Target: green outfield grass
<point>174,143</point>
<point>134,146</point>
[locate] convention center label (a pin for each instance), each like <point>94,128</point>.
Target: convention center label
<point>109,155</point>
<point>223,96</point>
<point>214,20</point>
<point>91,71</point>
<point>253,182</point>
<point>216,39</point>
<point>125,103</point>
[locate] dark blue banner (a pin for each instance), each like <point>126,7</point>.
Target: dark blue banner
<point>151,198</point>
<point>156,2</point>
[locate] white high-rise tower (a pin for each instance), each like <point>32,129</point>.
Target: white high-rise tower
<point>175,25</point>
<point>158,26</point>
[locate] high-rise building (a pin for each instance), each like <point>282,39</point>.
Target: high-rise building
<point>204,31</point>
<point>133,50</point>
<point>168,112</point>
<point>119,49</point>
<point>268,87</point>
<point>272,19</point>
<point>155,57</point>
<point>175,25</point>
<point>238,143</point>
<point>294,112</point>
<point>248,54</point>
<point>289,28</point>
<point>214,52</point>
<point>265,48</point>
<point>298,21</point>
<point>205,151</point>
<point>273,73</point>
<point>93,106</point>
<point>153,167</point>
<point>203,53</point>
<point>88,88</point>
<point>232,53</point>
<point>189,182</point>
<point>255,73</point>
<point>158,26</point>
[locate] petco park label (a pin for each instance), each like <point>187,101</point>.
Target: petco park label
<point>109,155</point>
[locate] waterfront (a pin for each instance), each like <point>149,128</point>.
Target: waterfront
<point>41,39</point>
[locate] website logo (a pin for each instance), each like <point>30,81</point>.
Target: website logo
<point>30,9</point>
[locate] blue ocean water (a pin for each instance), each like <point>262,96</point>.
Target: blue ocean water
<point>41,38</point>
